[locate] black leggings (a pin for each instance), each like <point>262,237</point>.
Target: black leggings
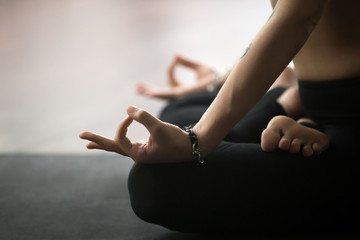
<point>188,110</point>
<point>240,187</point>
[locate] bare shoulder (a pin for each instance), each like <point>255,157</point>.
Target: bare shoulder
<point>333,49</point>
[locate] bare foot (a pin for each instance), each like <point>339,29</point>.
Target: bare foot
<point>286,134</point>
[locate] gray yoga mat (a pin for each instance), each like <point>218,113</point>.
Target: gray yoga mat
<point>78,197</point>
<point>70,197</point>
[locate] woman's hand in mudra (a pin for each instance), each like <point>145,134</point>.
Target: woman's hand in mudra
<point>167,142</point>
<point>204,75</point>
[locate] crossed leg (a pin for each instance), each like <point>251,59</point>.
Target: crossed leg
<point>241,188</point>
<point>281,133</point>
<point>284,132</point>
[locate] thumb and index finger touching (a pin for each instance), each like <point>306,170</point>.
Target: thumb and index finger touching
<point>179,60</point>
<point>124,144</point>
<point>149,121</point>
<point>143,117</point>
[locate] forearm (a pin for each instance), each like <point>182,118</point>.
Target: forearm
<point>271,51</point>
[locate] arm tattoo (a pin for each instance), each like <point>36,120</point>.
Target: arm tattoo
<point>247,49</point>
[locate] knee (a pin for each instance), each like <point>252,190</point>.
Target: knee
<point>150,195</point>
<point>142,197</point>
<point>154,197</point>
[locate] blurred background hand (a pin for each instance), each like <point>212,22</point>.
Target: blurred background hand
<point>204,75</point>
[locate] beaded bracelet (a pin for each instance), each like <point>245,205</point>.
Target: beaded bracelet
<point>194,145</point>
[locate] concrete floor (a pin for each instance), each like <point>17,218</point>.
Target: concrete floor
<point>69,66</point>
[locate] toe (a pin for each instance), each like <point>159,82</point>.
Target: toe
<point>316,148</point>
<point>269,140</point>
<point>284,143</point>
<point>307,151</point>
<point>295,146</point>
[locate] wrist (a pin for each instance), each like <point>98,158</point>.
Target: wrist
<point>205,145</point>
<point>195,148</point>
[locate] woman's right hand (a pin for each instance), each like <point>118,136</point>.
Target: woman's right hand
<point>204,76</point>
<point>166,143</point>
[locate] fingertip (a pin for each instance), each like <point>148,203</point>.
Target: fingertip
<point>83,135</point>
<point>132,110</point>
<point>90,145</point>
<point>141,116</point>
<point>140,87</point>
<point>176,56</point>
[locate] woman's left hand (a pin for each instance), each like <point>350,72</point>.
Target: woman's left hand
<point>204,75</point>
<point>166,143</point>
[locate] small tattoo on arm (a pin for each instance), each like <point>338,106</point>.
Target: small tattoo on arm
<point>247,49</point>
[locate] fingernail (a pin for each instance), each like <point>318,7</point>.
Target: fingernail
<point>131,109</point>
